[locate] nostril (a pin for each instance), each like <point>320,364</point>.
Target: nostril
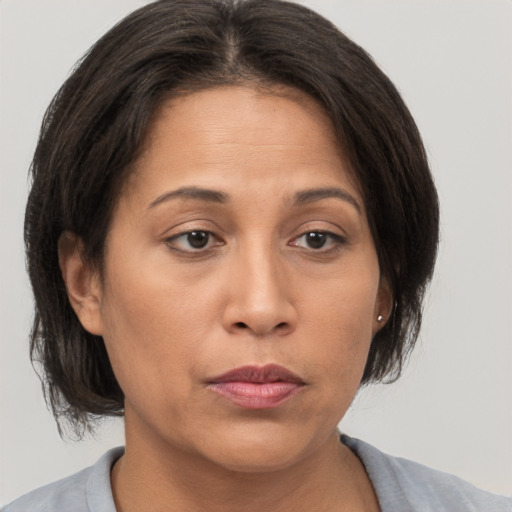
<point>261,329</point>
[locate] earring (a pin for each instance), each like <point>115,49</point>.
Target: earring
<point>380,318</point>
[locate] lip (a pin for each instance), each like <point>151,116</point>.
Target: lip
<point>257,387</point>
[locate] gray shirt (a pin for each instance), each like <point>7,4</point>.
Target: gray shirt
<point>400,485</point>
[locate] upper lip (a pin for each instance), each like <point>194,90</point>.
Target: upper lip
<point>258,374</point>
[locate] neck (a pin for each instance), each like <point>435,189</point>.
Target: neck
<point>171,479</point>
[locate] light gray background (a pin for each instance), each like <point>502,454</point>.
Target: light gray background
<point>452,61</point>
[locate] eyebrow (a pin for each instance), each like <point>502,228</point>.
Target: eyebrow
<point>203,194</point>
<point>317,194</point>
<point>215,196</point>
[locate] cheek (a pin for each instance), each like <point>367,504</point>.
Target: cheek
<point>152,332</point>
<point>340,320</point>
<point>344,303</point>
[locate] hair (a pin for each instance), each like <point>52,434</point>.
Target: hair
<point>95,126</point>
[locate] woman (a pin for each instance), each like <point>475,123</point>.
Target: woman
<point>230,230</point>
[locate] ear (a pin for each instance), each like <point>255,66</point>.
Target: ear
<point>383,305</point>
<point>82,283</point>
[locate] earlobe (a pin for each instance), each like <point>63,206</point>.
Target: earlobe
<point>383,305</point>
<point>82,283</point>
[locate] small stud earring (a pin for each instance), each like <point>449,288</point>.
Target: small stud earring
<point>380,318</point>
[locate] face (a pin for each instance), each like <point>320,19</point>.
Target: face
<point>241,284</point>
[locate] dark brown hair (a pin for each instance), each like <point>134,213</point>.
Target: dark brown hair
<point>96,123</point>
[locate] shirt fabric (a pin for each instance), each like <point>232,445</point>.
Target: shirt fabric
<point>401,486</point>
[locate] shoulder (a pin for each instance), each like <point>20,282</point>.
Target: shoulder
<point>86,490</point>
<point>403,485</point>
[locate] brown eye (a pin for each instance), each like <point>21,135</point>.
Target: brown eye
<point>198,239</point>
<point>319,241</point>
<point>315,240</point>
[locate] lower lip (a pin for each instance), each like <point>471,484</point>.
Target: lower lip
<point>252,395</point>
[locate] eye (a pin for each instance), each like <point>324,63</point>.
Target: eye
<point>318,240</point>
<point>193,241</point>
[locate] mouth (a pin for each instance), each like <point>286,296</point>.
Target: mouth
<point>257,387</point>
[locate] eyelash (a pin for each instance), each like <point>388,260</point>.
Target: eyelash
<point>198,250</point>
<point>336,241</point>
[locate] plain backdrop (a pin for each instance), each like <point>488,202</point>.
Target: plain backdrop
<point>452,61</point>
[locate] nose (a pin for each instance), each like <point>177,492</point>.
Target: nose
<point>260,302</point>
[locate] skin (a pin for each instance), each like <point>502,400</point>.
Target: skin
<point>173,316</point>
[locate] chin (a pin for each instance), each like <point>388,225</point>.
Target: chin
<point>250,460</point>
<point>268,449</point>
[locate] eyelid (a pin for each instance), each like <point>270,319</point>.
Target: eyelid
<point>182,234</point>
<point>337,241</point>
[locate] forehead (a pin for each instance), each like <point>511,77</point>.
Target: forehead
<point>240,135</point>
